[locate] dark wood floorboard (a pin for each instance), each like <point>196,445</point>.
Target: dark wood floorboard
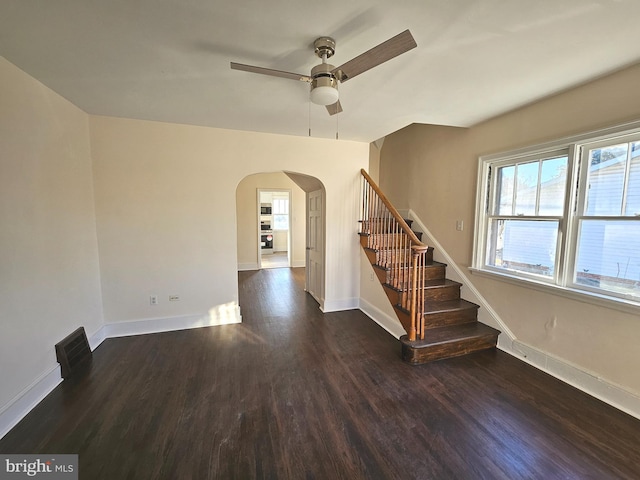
<point>294,394</point>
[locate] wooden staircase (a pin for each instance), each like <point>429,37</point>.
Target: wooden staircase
<point>439,324</point>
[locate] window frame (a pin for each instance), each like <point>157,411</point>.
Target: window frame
<point>491,201</point>
<point>576,148</point>
<point>287,215</point>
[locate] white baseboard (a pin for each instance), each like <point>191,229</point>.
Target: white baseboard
<point>97,338</point>
<point>339,305</point>
<point>577,377</point>
<point>169,324</point>
<point>16,409</point>
<point>244,267</point>
<point>390,324</point>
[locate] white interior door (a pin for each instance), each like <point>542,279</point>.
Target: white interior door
<point>315,244</point>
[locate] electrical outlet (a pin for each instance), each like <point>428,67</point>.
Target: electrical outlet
<point>371,277</point>
<point>153,300</point>
<point>459,225</point>
<point>174,298</point>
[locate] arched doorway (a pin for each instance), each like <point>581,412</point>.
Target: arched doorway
<point>307,224</point>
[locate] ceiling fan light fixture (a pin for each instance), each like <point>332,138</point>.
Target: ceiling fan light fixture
<point>324,95</point>
<point>324,85</point>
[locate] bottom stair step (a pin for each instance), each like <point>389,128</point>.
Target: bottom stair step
<point>447,342</point>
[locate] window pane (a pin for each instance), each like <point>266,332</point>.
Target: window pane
<point>280,206</point>
<point>633,188</point>
<point>527,188</point>
<point>553,181</point>
<point>606,180</point>
<point>281,222</point>
<point>505,190</point>
<point>609,256</point>
<point>523,245</point>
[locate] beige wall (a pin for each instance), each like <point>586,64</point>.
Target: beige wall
<point>49,272</point>
<point>432,170</point>
<point>166,216</point>
<point>247,215</point>
<point>99,213</point>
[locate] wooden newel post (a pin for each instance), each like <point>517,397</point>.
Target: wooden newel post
<point>414,290</point>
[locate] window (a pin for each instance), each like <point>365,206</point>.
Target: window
<point>565,214</point>
<point>280,213</point>
<point>608,222</point>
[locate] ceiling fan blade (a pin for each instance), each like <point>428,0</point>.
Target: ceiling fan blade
<point>271,72</point>
<point>401,43</point>
<point>334,108</point>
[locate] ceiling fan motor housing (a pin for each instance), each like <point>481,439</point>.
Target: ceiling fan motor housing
<point>324,47</point>
<point>324,85</point>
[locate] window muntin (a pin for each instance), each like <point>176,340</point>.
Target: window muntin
<point>569,218</point>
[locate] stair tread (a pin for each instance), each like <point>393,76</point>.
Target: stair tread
<point>391,247</point>
<point>454,333</point>
<point>427,265</point>
<point>429,284</point>
<point>442,306</point>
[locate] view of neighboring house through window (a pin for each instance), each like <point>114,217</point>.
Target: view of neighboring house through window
<point>280,213</point>
<point>524,225</point>
<point>608,233</point>
<point>566,216</point>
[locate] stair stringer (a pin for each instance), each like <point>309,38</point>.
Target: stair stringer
<point>486,314</point>
<point>373,300</point>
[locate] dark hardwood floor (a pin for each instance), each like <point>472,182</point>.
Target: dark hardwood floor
<point>295,394</point>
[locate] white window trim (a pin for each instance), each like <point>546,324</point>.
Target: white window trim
<point>568,229</point>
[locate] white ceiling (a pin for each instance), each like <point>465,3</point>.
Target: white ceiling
<point>168,60</point>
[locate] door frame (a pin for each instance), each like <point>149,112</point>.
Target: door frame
<point>289,232</point>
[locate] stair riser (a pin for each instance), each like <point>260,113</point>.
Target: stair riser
<point>418,356</point>
<point>436,272</point>
<point>431,294</point>
<point>441,294</point>
<point>440,319</point>
<point>381,225</point>
<point>390,257</point>
<point>388,240</point>
<point>453,317</point>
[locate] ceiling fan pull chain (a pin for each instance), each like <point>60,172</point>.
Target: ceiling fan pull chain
<point>337,125</point>
<point>309,116</point>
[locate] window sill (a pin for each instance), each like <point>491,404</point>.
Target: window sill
<point>621,304</point>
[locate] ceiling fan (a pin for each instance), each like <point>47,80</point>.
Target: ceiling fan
<point>324,78</point>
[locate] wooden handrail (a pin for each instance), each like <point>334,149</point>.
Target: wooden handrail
<point>393,211</point>
<point>398,249</point>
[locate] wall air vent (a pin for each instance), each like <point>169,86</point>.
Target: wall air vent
<point>73,352</point>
